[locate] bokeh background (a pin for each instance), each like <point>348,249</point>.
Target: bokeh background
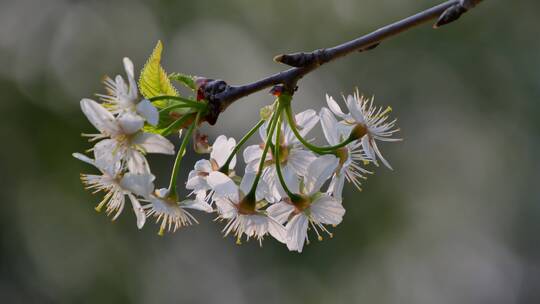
<point>457,221</point>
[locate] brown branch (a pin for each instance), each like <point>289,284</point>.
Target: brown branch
<point>221,95</point>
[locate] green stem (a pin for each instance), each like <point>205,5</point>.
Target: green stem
<point>193,103</point>
<point>225,167</point>
<point>177,106</point>
<point>277,151</point>
<point>273,123</point>
<point>314,148</point>
<point>176,167</point>
<point>177,123</point>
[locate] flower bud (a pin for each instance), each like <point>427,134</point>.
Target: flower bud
<point>266,112</point>
<point>200,143</point>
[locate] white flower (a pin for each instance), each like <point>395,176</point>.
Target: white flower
<point>221,149</point>
<point>294,158</point>
<point>125,142</point>
<point>117,186</point>
<point>170,212</point>
<point>315,208</point>
<point>369,120</point>
<point>349,156</point>
<point>241,212</point>
<point>123,98</point>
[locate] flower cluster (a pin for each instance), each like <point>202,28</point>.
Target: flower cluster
<point>289,185</point>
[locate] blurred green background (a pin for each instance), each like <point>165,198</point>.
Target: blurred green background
<point>457,220</point>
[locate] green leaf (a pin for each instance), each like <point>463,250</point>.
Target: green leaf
<point>187,80</point>
<point>154,81</point>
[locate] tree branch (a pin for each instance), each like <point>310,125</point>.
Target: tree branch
<point>221,95</point>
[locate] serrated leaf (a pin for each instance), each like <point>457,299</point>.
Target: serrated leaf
<point>187,80</point>
<point>153,80</point>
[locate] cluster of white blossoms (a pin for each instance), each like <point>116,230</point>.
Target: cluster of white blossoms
<point>288,187</point>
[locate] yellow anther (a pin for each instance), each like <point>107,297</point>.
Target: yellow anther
<point>320,238</point>
<point>161,231</point>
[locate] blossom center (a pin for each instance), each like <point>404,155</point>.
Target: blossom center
<point>359,131</point>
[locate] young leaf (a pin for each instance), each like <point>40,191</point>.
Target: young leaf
<point>187,80</point>
<point>153,80</point>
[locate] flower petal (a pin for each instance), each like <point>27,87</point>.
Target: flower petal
<point>280,211</point>
<point>139,212</point>
<point>329,126</point>
<point>84,158</point>
<point>99,117</point>
<point>153,143</point>
<point>327,210</point>
<point>356,109</point>
<point>318,172</point>
<point>108,156</point>
<point>277,230</point>
<point>147,110</point>
<point>197,205</point>
<point>130,123</point>
<point>221,149</point>
<point>140,184</point>
<point>136,162</point>
<point>223,185</point>
<point>334,107</point>
<point>300,160</point>
<point>297,232</point>
<point>252,153</point>
<point>128,66</point>
<point>247,183</point>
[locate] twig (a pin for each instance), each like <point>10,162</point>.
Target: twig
<point>221,95</point>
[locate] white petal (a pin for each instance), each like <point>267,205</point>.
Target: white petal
<point>327,210</point>
<point>225,208</point>
<point>247,183</point>
<point>329,126</point>
<point>128,66</point>
<point>263,129</point>
<point>291,179</point>
<point>252,153</point>
<point>139,212</point>
<point>107,156</point>
<point>147,110</point>
<point>197,205</point>
<point>300,160</point>
<point>223,185</point>
<point>84,158</point>
<point>153,143</point>
<point>280,211</point>
<point>140,184</point>
<point>130,123</point>
<point>277,230</point>
<point>221,149</point>
<point>99,117</point>
<point>136,162</point>
<point>319,171</point>
<point>197,183</point>
<point>336,186</point>
<point>334,107</point>
<point>203,165</point>
<point>355,109</point>
<point>306,120</point>
<point>297,232</point>
<point>376,149</point>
